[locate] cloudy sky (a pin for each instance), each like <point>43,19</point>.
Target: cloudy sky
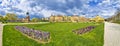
<point>44,8</point>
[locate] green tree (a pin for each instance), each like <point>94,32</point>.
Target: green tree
<point>11,16</point>
<point>35,19</point>
<point>1,18</point>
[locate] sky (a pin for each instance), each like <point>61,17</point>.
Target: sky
<point>44,8</point>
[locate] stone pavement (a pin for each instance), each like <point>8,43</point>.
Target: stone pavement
<point>111,34</point>
<point>1,29</point>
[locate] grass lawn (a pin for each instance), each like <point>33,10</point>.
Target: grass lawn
<point>25,23</point>
<point>61,35</point>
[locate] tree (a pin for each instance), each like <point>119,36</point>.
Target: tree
<point>115,17</point>
<point>1,18</point>
<point>11,16</point>
<point>35,19</point>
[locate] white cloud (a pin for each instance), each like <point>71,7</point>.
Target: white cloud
<point>74,11</point>
<point>48,13</point>
<point>9,2</point>
<point>5,2</point>
<point>62,1</point>
<point>105,2</point>
<point>104,8</point>
<point>20,13</point>
<point>108,12</point>
<point>23,5</point>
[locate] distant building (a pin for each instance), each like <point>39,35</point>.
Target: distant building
<point>84,19</point>
<point>58,18</point>
<point>52,18</point>
<point>26,19</point>
<point>97,19</point>
<point>75,18</point>
<point>114,18</point>
<point>62,18</point>
<point>45,19</point>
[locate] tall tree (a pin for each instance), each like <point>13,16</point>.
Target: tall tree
<point>115,17</point>
<point>35,19</point>
<point>1,18</point>
<point>11,16</point>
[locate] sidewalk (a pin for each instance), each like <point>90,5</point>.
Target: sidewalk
<point>111,34</point>
<point>1,29</point>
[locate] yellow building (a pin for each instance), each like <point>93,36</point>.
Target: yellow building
<point>74,18</point>
<point>26,19</point>
<point>83,19</point>
<point>97,19</point>
<point>52,18</point>
<point>58,18</point>
<point>61,18</point>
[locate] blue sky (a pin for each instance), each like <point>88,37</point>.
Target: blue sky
<point>44,8</point>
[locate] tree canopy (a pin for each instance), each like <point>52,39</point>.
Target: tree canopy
<point>1,18</point>
<point>35,19</point>
<point>11,16</point>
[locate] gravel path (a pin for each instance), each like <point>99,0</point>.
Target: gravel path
<point>1,28</point>
<point>111,34</point>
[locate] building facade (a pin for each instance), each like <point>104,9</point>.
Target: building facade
<point>62,18</point>
<point>26,19</point>
<point>97,19</point>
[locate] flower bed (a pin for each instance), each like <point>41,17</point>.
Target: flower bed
<point>83,30</point>
<point>34,34</point>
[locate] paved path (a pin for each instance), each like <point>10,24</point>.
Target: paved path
<point>111,34</point>
<point>1,28</point>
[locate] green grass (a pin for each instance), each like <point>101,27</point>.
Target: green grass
<point>61,35</point>
<point>20,23</point>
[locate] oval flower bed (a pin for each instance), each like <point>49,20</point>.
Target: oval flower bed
<point>38,35</point>
<point>83,30</point>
